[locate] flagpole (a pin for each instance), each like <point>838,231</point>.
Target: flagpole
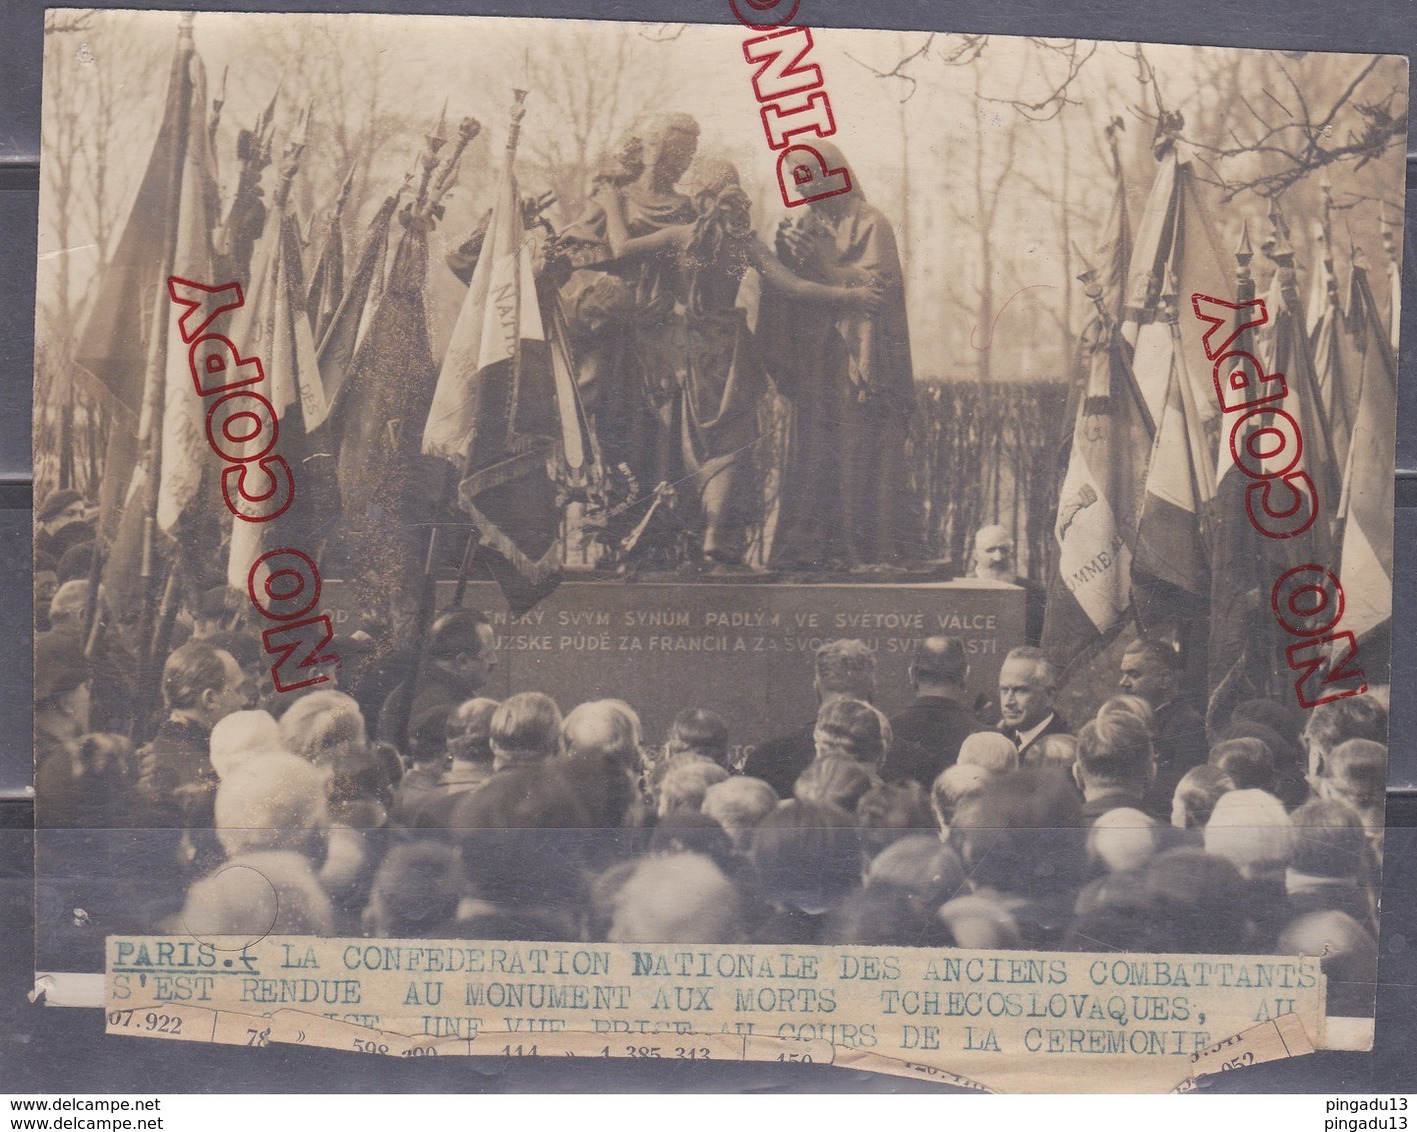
<point>396,727</point>
<point>519,238</point>
<point>439,176</point>
<point>154,388</point>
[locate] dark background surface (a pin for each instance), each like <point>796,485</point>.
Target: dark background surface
<point>48,1050</point>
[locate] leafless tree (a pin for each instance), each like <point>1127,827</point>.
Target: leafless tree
<point>354,123</point>
<point>995,149</point>
<point>587,99</point>
<point>1355,126</point>
<point>90,78</point>
<point>1267,137</point>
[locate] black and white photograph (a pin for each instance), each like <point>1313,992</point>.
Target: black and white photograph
<point>812,492</point>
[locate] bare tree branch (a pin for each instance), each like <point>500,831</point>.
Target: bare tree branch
<point>1050,106</point>
<point>664,33</point>
<point>68,22</point>
<point>1295,147</point>
<point>899,71</point>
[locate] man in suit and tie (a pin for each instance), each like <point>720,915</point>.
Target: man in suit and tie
<point>843,669</point>
<point>1027,687</point>
<point>928,733</point>
<point>1115,765</point>
<point>1152,670</point>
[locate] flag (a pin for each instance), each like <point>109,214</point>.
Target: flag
<point>117,340</point>
<point>158,459</point>
<point>1333,370</point>
<point>484,405</point>
<point>354,313</point>
<point>1289,352</point>
<point>273,325</point>
<point>1394,315</point>
<point>505,408</point>
<point>1239,631</point>
<point>1176,257</point>
<point>1393,298</point>
<point>386,504</point>
<point>327,279</point>
<point>1089,594</point>
<point>186,463</point>
<point>245,220</point>
<point>1367,500</point>
<point>1323,287</point>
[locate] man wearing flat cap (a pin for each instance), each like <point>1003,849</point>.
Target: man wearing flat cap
<point>62,684</point>
<point>58,510</point>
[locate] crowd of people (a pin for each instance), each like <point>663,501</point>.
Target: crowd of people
<point>398,799</point>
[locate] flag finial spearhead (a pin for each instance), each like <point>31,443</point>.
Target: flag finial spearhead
<point>439,136</point>
<point>1244,253</point>
<point>1088,276</point>
<point>1168,308</point>
<point>1243,250</point>
<point>345,188</point>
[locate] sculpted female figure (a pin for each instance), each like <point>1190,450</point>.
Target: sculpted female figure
<point>718,377</point>
<point>627,331</point>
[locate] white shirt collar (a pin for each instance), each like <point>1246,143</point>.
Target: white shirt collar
<point>1027,737</point>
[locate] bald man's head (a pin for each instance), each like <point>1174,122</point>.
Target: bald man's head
<point>605,729</point>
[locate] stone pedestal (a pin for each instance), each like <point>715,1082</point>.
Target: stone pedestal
<point>742,650</point>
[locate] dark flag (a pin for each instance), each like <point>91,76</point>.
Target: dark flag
<point>273,326</point>
<point>389,387</point>
<point>327,279</point>
<point>388,501</point>
<point>117,340</point>
<point>1090,593</point>
<point>335,350</point>
<point>1245,640</point>
<point>1290,353</point>
<point>158,451</point>
<point>1333,369</point>
<point>1367,501</point>
<point>505,406</point>
<point>346,329</point>
<point>1240,628</point>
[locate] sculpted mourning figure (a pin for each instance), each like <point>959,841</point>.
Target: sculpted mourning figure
<point>849,377</point>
